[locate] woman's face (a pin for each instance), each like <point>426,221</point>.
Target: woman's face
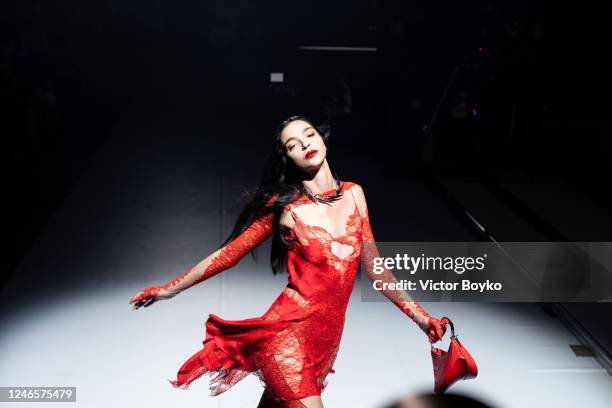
<point>303,144</point>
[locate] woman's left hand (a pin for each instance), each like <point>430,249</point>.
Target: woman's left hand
<point>435,330</point>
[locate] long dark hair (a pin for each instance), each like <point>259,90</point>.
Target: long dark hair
<point>281,179</point>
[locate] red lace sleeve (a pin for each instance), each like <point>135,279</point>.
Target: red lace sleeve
<point>369,252</point>
<point>225,257</point>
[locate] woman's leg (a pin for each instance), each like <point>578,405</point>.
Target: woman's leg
<point>308,402</point>
<point>268,401</point>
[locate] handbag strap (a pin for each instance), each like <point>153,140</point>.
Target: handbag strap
<point>446,320</point>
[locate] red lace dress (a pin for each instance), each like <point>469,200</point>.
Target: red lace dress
<point>292,347</point>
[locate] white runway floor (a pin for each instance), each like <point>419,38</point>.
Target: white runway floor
<point>66,319</point>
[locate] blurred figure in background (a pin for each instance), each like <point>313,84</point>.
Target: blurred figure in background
<point>446,400</point>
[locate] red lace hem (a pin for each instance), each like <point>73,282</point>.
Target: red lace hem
<point>224,372</point>
<point>221,379</point>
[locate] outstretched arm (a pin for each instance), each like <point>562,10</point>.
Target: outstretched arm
<point>220,260</point>
<point>400,298</point>
<point>224,258</point>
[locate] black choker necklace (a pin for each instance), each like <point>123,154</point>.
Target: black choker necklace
<point>326,198</point>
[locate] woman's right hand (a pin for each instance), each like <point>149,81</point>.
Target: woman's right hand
<point>147,296</point>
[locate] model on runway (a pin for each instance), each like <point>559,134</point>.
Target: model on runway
<point>320,231</point>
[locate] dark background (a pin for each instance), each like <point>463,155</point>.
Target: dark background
<point>490,92</point>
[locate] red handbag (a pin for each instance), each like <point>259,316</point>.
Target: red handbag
<point>452,365</point>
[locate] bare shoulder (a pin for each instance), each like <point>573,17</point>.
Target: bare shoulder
<point>356,189</point>
<point>359,195</point>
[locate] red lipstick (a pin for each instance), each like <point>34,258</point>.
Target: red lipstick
<point>310,154</point>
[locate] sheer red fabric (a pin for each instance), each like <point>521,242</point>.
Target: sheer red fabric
<point>293,345</point>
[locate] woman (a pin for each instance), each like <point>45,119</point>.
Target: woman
<point>321,230</point>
